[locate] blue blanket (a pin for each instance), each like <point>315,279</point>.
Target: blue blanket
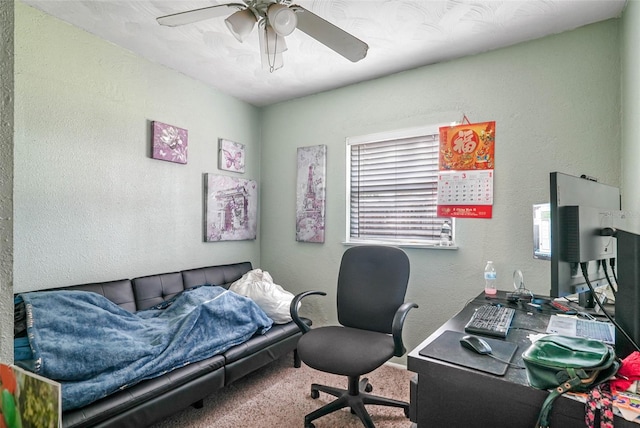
<point>93,347</point>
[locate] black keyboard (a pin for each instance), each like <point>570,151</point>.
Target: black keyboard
<point>491,320</point>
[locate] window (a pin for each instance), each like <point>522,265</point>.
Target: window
<point>392,188</point>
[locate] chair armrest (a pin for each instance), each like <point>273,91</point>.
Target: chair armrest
<point>293,309</point>
<point>396,327</point>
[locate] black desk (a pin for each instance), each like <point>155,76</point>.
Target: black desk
<point>452,396</point>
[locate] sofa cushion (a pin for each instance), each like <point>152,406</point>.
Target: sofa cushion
<point>276,333</point>
<point>222,275</point>
<point>119,292</point>
<point>144,391</point>
<point>260,350</point>
<point>154,289</point>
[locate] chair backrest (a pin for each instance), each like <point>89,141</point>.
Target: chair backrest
<point>372,283</point>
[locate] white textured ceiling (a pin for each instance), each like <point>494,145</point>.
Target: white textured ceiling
<point>401,34</point>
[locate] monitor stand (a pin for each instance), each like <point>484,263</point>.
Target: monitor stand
<point>586,300</point>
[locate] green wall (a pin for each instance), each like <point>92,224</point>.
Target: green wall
<point>556,103</point>
<point>630,40</point>
<point>90,203</point>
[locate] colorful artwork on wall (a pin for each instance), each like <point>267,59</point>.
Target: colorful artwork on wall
<point>169,143</point>
<point>231,208</point>
<point>310,193</point>
<point>466,168</point>
<point>231,156</point>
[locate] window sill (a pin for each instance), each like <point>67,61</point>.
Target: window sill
<point>402,244</point>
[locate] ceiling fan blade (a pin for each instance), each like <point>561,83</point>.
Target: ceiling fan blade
<point>196,15</point>
<point>331,36</point>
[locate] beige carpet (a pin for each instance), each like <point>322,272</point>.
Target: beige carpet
<point>278,396</point>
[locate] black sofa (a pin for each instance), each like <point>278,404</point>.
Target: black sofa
<point>152,400</point>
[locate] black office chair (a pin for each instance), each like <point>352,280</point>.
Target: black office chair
<point>372,283</point>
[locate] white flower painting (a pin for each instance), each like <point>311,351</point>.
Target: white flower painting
<point>169,143</point>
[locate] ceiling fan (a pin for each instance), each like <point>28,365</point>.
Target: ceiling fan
<point>276,19</point>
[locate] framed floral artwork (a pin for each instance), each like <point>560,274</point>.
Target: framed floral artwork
<point>169,143</point>
<point>231,208</point>
<point>310,193</point>
<point>230,156</point>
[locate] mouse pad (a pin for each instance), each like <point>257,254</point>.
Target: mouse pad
<point>447,348</point>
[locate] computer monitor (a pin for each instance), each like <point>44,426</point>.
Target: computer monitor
<point>542,231</point>
<point>578,207</point>
<point>627,313</point>
<point>588,226</point>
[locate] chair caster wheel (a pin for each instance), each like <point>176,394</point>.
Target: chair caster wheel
<point>314,394</point>
<point>406,413</point>
<point>309,425</point>
<point>368,388</point>
<point>352,411</point>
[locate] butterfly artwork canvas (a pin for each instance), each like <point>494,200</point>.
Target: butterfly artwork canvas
<point>169,143</point>
<point>231,156</point>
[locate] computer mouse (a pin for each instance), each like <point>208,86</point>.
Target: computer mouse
<point>476,344</point>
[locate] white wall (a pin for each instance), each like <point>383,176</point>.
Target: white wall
<point>556,103</point>
<point>90,203</point>
<point>6,181</point>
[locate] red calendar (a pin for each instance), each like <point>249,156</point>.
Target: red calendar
<point>466,169</point>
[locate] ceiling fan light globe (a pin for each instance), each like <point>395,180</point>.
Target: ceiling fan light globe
<point>282,19</point>
<point>240,23</point>
<point>270,41</point>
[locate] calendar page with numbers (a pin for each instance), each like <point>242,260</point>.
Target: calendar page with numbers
<point>466,170</point>
<point>465,193</point>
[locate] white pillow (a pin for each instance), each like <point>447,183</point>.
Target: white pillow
<point>272,298</point>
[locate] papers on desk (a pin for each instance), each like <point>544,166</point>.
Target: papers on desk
<point>577,327</point>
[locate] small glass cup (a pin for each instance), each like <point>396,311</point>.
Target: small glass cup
<point>522,293</point>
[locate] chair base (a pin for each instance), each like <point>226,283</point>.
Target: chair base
<point>353,398</point>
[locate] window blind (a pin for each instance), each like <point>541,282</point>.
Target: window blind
<point>394,189</point>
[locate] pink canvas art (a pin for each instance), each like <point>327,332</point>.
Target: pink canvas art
<point>310,193</point>
<point>231,156</point>
<point>169,143</point>
<point>231,208</point>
